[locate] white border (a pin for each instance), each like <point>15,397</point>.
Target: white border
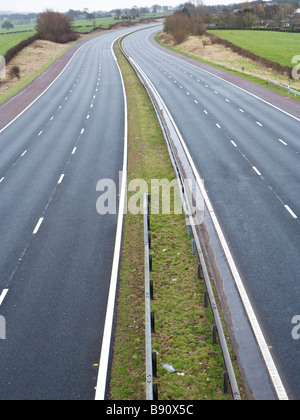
<point>107,335</point>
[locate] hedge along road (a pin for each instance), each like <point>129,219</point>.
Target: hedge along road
<point>247,152</point>
<point>56,250</point>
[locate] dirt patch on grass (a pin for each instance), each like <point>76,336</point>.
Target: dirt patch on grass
<point>203,48</point>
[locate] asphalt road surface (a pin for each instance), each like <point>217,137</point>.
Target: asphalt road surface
<point>56,250</point>
<point>247,152</point>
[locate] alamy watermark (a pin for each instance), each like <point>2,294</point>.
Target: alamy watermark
<point>165,197</point>
<point>296,329</point>
<point>2,328</point>
<point>2,68</point>
<point>296,69</point>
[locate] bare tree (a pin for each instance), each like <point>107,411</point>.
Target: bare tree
<point>55,27</point>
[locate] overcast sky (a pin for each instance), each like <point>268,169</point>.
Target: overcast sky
<point>92,5</point>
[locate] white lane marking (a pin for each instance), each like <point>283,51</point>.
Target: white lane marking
<point>258,123</point>
<point>82,131</point>
<point>40,133</point>
<point>218,125</point>
<point>205,112</point>
<point>188,93</point>
<point>107,334</point>
<point>88,117</point>
<point>233,143</point>
<point>38,226</point>
<point>196,102</point>
<point>3,295</point>
<point>241,110</point>
<point>283,142</point>
<point>74,151</point>
<point>291,212</point>
<point>2,179</point>
<point>256,170</point>
<point>61,179</point>
<point>227,100</point>
<point>24,153</point>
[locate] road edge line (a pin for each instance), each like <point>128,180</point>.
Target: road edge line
<point>107,335</point>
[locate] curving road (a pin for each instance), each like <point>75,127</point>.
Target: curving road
<point>56,250</point>
<point>248,153</point>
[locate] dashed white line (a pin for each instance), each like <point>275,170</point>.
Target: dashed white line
<point>61,179</point>
<point>74,151</point>
<point>218,125</point>
<point>24,153</point>
<point>188,93</point>
<point>241,110</point>
<point>233,143</point>
<point>283,142</point>
<point>291,212</point>
<point>258,123</point>
<point>196,102</point>
<point>2,179</point>
<point>256,170</point>
<point>82,131</point>
<point>227,100</point>
<point>3,295</point>
<point>205,112</point>
<point>38,226</point>
<point>40,133</point>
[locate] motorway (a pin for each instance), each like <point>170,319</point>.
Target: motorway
<point>56,250</point>
<point>247,152</point>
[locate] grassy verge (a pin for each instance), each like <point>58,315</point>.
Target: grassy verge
<point>242,74</point>
<point>183,326</point>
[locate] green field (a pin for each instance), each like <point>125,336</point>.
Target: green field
<point>8,41</point>
<point>276,46</point>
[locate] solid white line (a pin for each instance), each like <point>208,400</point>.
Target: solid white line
<point>3,295</point>
<point>291,212</point>
<point>38,226</point>
<point>107,335</point>
<point>256,170</point>
<point>61,179</point>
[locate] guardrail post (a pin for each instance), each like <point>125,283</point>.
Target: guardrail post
<point>225,382</point>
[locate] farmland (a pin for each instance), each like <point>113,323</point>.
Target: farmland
<point>280,47</point>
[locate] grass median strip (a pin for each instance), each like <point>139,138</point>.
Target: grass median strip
<point>183,326</point>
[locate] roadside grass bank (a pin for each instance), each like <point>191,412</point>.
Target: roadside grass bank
<point>183,326</point>
<point>202,50</point>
